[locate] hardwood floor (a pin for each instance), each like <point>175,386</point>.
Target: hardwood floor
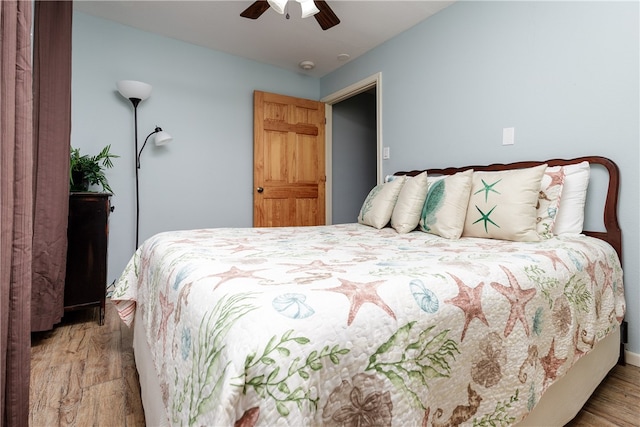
<point>83,374</point>
<point>616,401</point>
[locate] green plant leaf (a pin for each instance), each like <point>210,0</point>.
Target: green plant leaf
<point>315,365</point>
<point>312,356</point>
<point>294,366</point>
<point>283,388</point>
<point>273,374</point>
<point>275,385</point>
<point>297,394</point>
<point>256,380</point>
<point>401,334</point>
<point>282,409</point>
<point>90,168</point>
<point>283,351</point>
<point>267,360</point>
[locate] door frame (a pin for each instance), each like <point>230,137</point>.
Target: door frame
<point>374,81</point>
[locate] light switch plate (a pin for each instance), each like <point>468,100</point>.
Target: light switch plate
<point>508,136</point>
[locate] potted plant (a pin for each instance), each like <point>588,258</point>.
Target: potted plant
<point>88,170</point>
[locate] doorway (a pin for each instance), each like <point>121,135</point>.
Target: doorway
<point>354,148</point>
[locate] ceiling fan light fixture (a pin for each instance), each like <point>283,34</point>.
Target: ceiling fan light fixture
<point>278,5</point>
<point>319,9</point>
<point>308,8</point>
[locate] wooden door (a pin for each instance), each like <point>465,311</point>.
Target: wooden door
<point>288,162</point>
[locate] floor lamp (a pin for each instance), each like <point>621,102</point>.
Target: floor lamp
<point>135,92</point>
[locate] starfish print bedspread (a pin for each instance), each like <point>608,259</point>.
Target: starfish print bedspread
<point>349,325</point>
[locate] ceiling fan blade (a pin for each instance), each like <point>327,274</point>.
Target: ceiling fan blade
<point>326,18</point>
<point>255,10</point>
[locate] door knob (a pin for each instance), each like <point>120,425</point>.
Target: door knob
<point>260,189</point>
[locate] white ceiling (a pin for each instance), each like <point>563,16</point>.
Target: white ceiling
<point>271,39</point>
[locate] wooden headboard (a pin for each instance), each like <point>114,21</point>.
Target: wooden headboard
<point>612,233</point>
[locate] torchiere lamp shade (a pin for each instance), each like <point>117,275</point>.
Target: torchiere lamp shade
<point>133,89</point>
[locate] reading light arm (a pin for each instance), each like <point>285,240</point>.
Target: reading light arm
<point>156,130</point>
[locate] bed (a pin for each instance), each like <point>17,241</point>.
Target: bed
<point>388,321</point>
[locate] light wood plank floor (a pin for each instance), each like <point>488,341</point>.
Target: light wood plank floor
<point>83,374</point>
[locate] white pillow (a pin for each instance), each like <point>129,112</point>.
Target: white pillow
<point>445,207</point>
<point>378,206</point>
<point>502,204</point>
<point>406,213</point>
<point>549,199</point>
<point>570,218</point>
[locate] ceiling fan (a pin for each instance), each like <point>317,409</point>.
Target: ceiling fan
<point>318,8</point>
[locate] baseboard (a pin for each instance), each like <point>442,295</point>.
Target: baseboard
<point>632,358</point>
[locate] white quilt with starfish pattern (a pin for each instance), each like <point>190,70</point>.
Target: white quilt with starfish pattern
<point>349,325</point>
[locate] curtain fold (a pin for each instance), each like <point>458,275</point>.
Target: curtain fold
<point>52,133</point>
<point>16,209</point>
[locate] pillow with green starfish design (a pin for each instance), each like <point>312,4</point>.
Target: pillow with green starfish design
<point>503,205</point>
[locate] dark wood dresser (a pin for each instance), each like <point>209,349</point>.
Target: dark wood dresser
<point>88,236</point>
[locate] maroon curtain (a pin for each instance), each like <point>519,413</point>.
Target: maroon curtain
<point>52,131</point>
<point>16,210</point>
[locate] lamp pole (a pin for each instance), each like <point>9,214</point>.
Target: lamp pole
<point>135,92</point>
<point>135,102</point>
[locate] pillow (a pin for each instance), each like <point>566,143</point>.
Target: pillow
<point>502,204</point>
<point>570,217</point>
<point>549,199</point>
<point>406,213</point>
<point>445,207</point>
<point>378,206</point>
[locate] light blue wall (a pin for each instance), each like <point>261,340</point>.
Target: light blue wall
<point>203,98</point>
<point>564,74</point>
